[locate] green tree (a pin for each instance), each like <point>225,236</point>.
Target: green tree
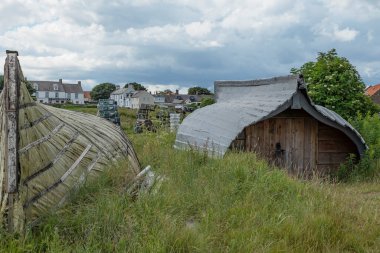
<point>1,82</point>
<point>168,92</point>
<point>333,82</point>
<point>198,91</point>
<point>207,101</point>
<point>30,88</point>
<point>102,91</point>
<point>136,86</point>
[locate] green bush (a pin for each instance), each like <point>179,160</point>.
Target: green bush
<point>369,165</point>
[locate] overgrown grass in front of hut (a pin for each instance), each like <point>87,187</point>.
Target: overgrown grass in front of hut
<point>234,204</point>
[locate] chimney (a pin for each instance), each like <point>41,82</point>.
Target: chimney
<point>79,82</point>
<point>60,81</point>
<point>177,92</point>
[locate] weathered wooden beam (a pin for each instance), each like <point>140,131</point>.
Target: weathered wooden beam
<point>11,164</point>
<point>11,87</point>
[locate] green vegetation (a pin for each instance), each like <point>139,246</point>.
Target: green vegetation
<point>369,165</point>
<point>207,101</point>
<point>336,84</point>
<point>136,86</point>
<point>102,91</point>
<point>234,204</point>
<point>198,91</point>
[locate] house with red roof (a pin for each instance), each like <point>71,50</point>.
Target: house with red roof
<point>87,96</point>
<point>374,93</point>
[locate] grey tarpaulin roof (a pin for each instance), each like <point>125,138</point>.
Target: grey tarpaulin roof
<point>243,103</point>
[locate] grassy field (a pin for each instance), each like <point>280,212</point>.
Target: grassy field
<point>234,204</point>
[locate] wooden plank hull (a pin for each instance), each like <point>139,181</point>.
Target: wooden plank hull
<point>54,152</point>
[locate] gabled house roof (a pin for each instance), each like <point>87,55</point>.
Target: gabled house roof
<point>139,93</point>
<point>174,98</point>
<point>372,90</point>
<point>127,90</point>
<point>243,103</point>
<point>72,88</point>
<point>62,87</point>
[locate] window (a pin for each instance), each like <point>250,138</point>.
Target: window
<point>46,94</point>
<point>36,94</point>
<point>56,95</point>
<point>35,86</point>
<point>76,95</point>
<point>68,95</point>
<point>55,86</point>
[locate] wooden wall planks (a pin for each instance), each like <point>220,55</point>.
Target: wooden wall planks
<point>306,144</point>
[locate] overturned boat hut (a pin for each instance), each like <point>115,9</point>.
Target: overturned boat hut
<point>47,152</point>
<point>276,119</point>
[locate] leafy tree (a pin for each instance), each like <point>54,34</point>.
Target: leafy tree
<point>136,86</point>
<point>102,91</point>
<point>1,82</point>
<point>336,84</point>
<point>165,92</point>
<point>207,101</point>
<point>168,92</point>
<point>198,91</point>
<point>30,88</point>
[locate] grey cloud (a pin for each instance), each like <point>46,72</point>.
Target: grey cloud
<point>148,43</point>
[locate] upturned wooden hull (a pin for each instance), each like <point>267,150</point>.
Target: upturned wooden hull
<point>47,152</point>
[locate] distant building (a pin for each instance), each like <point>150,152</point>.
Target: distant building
<point>141,97</point>
<point>130,98</point>
<point>374,93</point>
<point>185,99</point>
<point>122,96</point>
<point>159,99</point>
<point>87,96</point>
<point>52,92</point>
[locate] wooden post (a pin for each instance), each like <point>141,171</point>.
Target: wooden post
<point>11,89</point>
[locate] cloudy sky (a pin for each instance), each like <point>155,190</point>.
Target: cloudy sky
<point>182,43</point>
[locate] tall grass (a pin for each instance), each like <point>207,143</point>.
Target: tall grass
<point>234,204</point>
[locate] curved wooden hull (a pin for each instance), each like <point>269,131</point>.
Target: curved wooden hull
<point>56,151</point>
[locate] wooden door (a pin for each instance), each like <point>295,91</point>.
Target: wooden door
<point>288,140</point>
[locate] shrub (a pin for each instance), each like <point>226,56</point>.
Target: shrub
<point>369,165</point>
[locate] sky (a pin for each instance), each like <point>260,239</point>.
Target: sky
<point>178,44</point>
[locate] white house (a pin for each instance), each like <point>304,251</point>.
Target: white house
<point>159,99</point>
<point>123,96</point>
<point>141,97</point>
<point>51,92</point>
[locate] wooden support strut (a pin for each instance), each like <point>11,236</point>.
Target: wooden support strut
<point>11,163</point>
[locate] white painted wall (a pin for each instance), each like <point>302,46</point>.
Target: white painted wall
<point>143,98</point>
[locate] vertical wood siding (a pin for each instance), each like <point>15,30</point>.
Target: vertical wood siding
<point>305,143</point>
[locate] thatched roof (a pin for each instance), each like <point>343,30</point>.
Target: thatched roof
<point>46,152</point>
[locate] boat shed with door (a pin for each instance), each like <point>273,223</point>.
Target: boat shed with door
<point>276,119</point>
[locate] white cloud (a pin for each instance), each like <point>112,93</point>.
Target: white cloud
<point>120,41</point>
<point>334,32</point>
<point>198,29</point>
<point>345,34</point>
<point>161,87</point>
